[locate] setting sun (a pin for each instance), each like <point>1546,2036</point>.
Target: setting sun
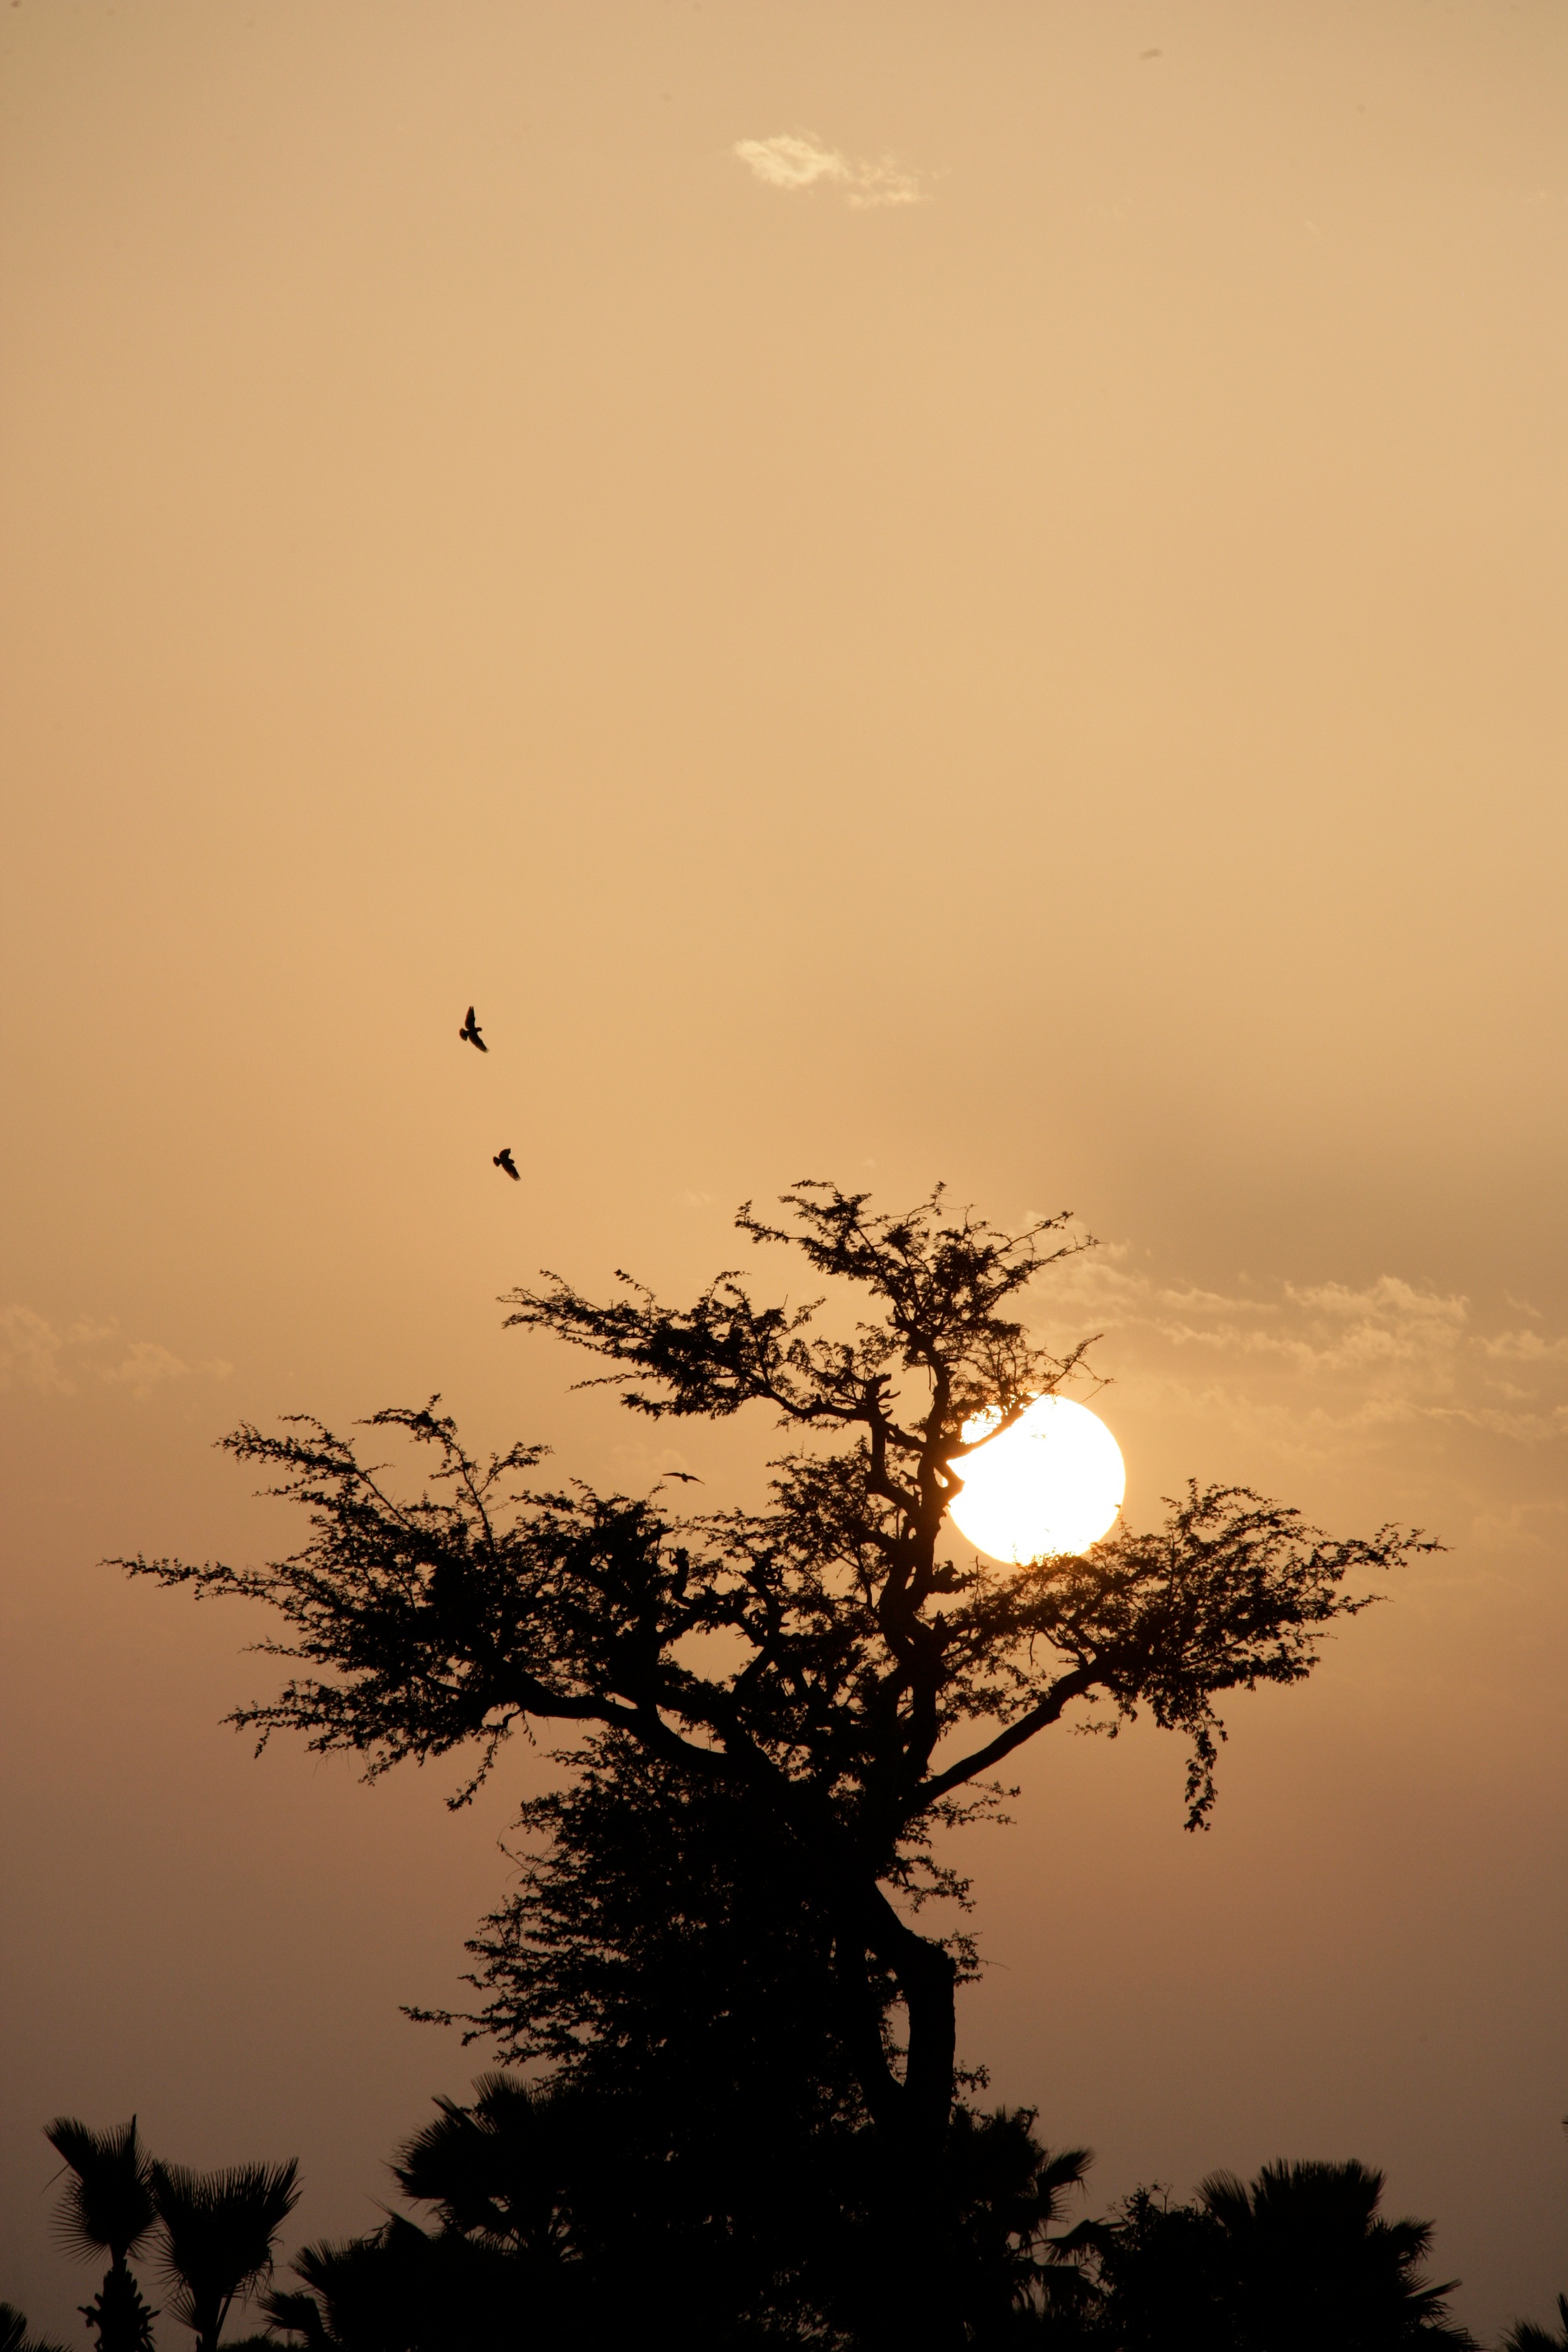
<point>1052,1483</point>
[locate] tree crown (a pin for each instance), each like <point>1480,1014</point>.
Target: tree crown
<point>856,1645</point>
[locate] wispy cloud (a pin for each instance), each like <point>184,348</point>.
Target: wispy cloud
<point>1525,1346</point>
<point>1315,1363</point>
<point>53,1359</point>
<point>798,159</point>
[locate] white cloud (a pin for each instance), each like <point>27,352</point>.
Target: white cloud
<point>794,160</point>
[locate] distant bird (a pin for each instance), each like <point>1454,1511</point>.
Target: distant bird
<point>470,1030</point>
<point>687,1478</point>
<point>503,1159</point>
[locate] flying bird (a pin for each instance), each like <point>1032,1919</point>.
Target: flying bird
<point>470,1030</point>
<point>687,1478</point>
<point>503,1159</point>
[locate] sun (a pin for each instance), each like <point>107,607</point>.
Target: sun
<point>1053,1482</point>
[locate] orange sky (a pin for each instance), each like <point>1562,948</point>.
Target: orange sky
<point>1017,638</point>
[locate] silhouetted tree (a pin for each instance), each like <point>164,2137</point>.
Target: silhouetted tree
<point>827,1663</point>
<point>108,2207</point>
<point>219,2232</point>
<point>1300,2261</point>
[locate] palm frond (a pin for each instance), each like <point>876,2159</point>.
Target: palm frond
<point>106,2207</point>
<point>13,2335</point>
<point>218,2234</point>
<point>290,2312</point>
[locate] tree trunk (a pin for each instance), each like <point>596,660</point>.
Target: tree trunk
<point>118,2314</point>
<point>916,2298</point>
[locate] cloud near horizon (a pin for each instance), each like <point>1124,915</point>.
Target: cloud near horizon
<point>794,160</point>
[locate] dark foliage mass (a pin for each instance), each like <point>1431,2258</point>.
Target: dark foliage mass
<point>558,2217</point>
<point>538,2240</point>
<point>551,2224</point>
<point>1300,2261</point>
<point>770,1716</point>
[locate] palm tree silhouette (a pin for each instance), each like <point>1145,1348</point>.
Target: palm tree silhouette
<point>504,2263</point>
<point>497,2171</point>
<point>1317,2263</point>
<point>107,2209</point>
<point>402,2290</point>
<point>219,2229</point>
<point>1526,2335</point>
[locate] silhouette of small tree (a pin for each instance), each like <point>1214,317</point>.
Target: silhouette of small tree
<point>849,1683</point>
<point>108,2207</point>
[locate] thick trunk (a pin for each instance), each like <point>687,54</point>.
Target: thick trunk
<point>914,2304</point>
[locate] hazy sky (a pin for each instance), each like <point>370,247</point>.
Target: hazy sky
<point>894,591</point>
